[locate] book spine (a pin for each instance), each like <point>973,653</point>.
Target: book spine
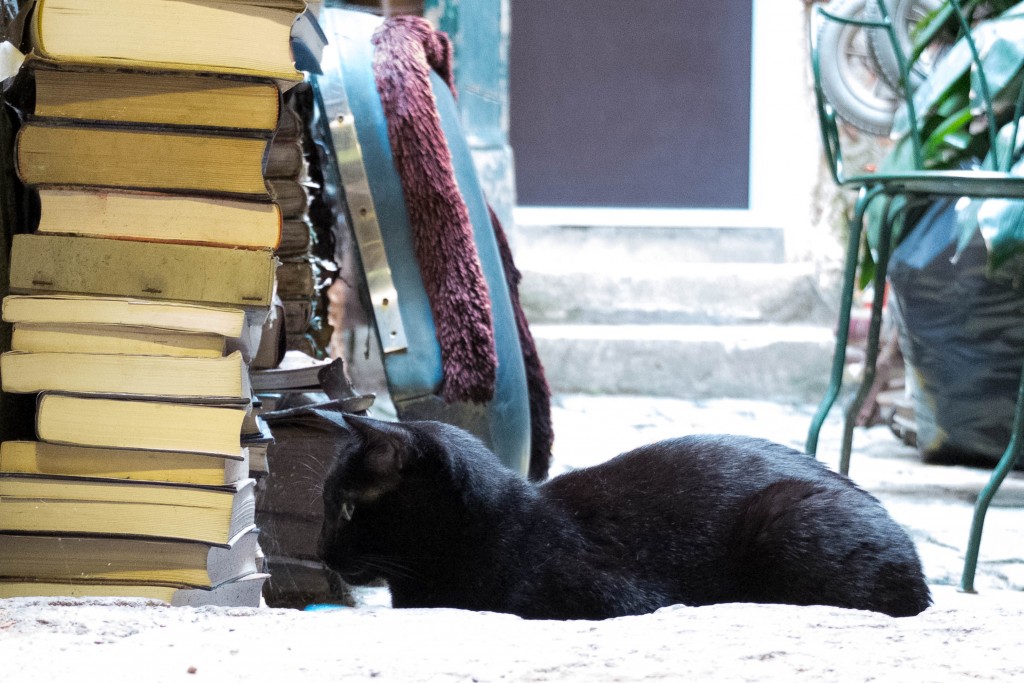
<point>153,270</point>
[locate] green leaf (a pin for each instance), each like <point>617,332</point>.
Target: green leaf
<point>967,221</point>
<point>951,69</point>
<point>1002,60</point>
<point>951,131</point>
<point>952,103</point>
<point>867,267</point>
<point>1003,146</point>
<point>1002,225</point>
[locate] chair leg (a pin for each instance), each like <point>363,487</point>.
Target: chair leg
<point>874,331</point>
<point>856,228</point>
<point>1009,458</point>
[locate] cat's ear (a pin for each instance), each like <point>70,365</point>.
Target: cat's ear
<point>390,446</point>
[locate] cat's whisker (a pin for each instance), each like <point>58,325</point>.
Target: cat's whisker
<point>390,567</point>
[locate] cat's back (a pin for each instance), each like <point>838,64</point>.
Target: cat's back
<point>721,518</point>
<point>697,466</point>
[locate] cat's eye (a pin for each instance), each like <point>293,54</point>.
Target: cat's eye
<point>346,511</point>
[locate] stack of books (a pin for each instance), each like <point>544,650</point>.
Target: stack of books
<point>309,250</point>
<point>139,298</point>
<point>298,274</point>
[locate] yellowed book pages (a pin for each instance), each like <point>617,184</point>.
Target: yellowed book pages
<point>82,506</point>
<point>39,457</point>
<point>177,99</point>
<point>47,154</point>
<point>76,309</point>
<point>243,592</point>
<point>159,217</point>
<point>148,425</point>
<point>152,270</point>
<point>115,340</point>
<point>128,560</point>
<point>198,35</point>
<point>222,379</point>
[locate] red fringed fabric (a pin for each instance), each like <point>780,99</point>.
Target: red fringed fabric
<point>406,49</point>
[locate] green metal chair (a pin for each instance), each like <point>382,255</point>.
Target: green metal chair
<point>897,193</point>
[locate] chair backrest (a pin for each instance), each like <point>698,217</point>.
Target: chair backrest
<point>937,117</point>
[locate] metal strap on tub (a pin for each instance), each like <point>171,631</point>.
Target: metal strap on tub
<point>383,295</point>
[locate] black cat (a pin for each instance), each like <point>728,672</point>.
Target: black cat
<point>695,521</point>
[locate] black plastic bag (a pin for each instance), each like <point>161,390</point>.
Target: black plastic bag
<point>962,334</point>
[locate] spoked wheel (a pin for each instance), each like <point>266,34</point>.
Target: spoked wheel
<point>904,15</point>
<point>849,74</point>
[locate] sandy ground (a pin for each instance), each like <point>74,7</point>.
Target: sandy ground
<point>43,641</point>
<point>962,636</point>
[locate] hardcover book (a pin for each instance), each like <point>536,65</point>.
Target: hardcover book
<point>151,270</point>
<point>223,379</point>
<point>115,340</point>
<point>73,309</point>
<point>135,158</point>
<point>159,217</point>
<point>172,98</point>
<point>198,35</point>
<point>176,467</point>
<point>72,506</point>
<point>130,560</point>
<point>243,592</point>
<point>147,425</point>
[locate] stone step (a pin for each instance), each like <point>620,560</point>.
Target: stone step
<point>550,247</point>
<point>766,361</point>
<point>681,293</point>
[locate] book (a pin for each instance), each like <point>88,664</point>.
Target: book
<point>258,445</point>
<point>297,278</point>
<point>146,425</point>
<point>289,125</point>
<point>160,217</point>
<point>290,195</point>
<point>69,506</point>
<point>284,160</point>
<point>171,98</point>
<point>115,340</point>
<point>73,309</point>
<point>127,560</point>
<point>296,584</point>
<point>271,347</point>
<point>296,370</point>
<point>297,315</point>
<point>303,342</point>
<point>40,457</point>
<point>86,265</point>
<point>222,380</point>
<point>296,238</point>
<point>72,154</point>
<point>308,41</point>
<point>199,35</point>
<point>243,592</point>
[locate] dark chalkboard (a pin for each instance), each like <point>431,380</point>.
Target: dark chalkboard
<point>642,103</point>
